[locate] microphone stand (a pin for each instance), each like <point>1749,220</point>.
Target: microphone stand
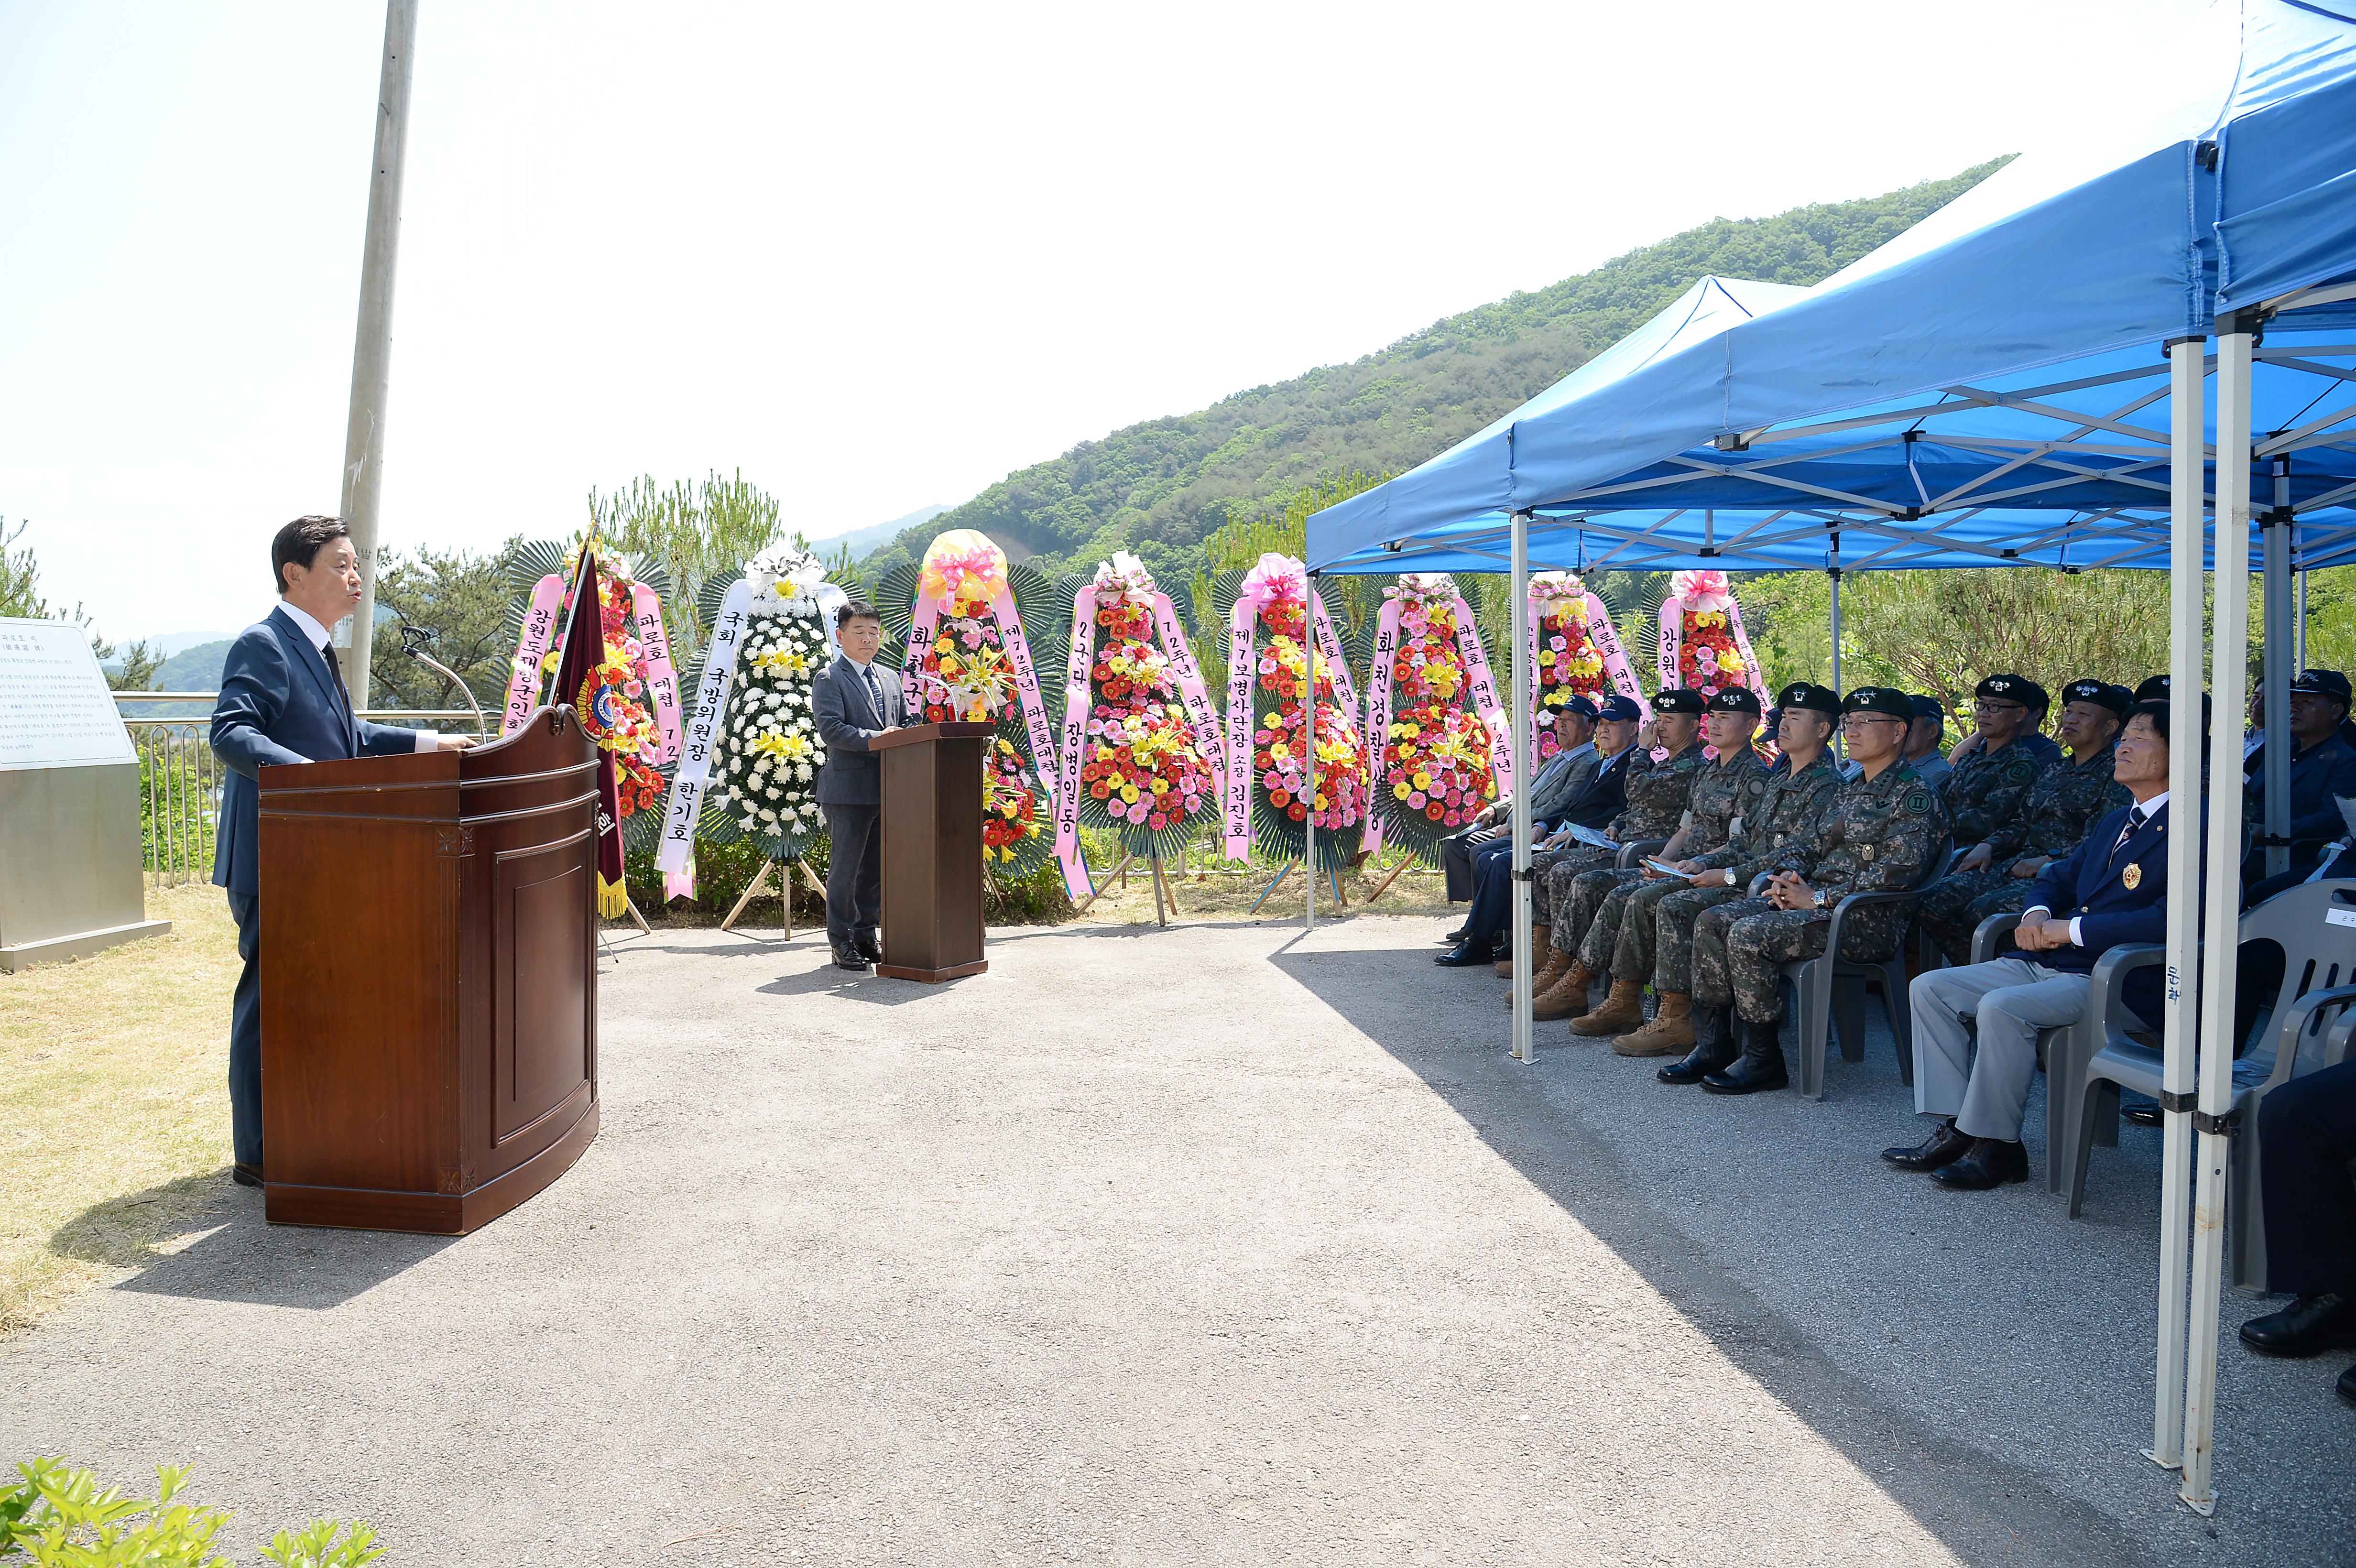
<point>412,642</point>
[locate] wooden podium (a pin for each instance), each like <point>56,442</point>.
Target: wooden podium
<point>429,995</point>
<point>931,824</point>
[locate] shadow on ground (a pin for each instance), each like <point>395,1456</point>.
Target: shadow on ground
<point>213,1245</point>
<point>1987,1510</point>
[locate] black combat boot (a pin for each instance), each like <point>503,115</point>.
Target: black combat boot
<point>1760,1065</point>
<point>1713,1048</point>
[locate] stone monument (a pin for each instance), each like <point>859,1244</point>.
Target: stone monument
<point>70,851</point>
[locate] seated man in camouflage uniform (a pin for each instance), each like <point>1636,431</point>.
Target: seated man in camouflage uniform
<point>1878,836</point>
<point>1620,938</point>
<point>2067,794</point>
<point>1658,793</point>
<point>1798,792</point>
<point>1594,805</point>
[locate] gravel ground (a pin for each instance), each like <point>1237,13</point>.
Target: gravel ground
<point>1211,1245</point>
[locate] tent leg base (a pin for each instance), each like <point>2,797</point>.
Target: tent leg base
<point>2152,1454</point>
<point>2205,1507</point>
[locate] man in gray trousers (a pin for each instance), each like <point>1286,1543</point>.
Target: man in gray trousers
<point>854,702</point>
<point>2110,891</point>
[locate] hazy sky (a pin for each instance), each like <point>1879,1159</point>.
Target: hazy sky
<point>876,257</point>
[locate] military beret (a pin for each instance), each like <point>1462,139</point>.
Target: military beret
<point>1582,705</point>
<point>1821,699</point>
<point>1883,699</point>
<point>2101,693</point>
<point>2327,683</point>
<point>1735,700</point>
<point>2013,689</point>
<point>1618,707</point>
<point>1679,700</point>
<point>2153,689</point>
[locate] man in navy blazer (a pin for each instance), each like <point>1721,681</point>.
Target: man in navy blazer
<point>854,703</point>
<point>2110,889</point>
<point>282,700</point>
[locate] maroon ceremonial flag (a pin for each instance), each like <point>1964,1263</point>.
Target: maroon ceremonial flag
<point>579,658</point>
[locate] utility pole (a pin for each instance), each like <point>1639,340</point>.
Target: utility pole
<point>372,344</point>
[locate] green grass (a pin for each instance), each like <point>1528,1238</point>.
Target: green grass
<point>113,1103</point>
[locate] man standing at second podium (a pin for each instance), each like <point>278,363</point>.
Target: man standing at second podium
<point>854,703</point>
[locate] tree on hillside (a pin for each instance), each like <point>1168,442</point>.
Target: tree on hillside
<point>460,598</point>
<point>1162,488</point>
<point>694,531</point>
<point>20,581</point>
<point>19,577</point>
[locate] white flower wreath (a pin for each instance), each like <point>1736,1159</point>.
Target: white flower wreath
<point>771,752</point>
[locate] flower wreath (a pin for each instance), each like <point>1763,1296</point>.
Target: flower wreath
<point>1141,739</point>
<point>959,618</point>
<point>1703,646</point>
<point>1270,794</point>
<point>768,751</point>
<point>1440,757</point>
<point>1574,652</point>
<point>629,702</point>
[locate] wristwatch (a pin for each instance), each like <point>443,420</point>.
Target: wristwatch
<point>1817,897</point>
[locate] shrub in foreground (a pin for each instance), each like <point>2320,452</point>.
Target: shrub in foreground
<point>59,1517</point>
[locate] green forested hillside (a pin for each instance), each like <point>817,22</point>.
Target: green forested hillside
<point>1159,488</point>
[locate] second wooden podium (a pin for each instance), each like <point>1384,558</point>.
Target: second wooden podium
<point>931,824</point>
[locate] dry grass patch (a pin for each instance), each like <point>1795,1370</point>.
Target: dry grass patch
<point>114,1103</point>
<point>1223,895</point>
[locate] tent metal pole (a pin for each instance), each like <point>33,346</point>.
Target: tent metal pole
<point>2188,531</point>
<point>2273,536</point>
<point>1525,1041</point>
<point>2302,606</point>
<point>1839,751</point>
<point>2221,905</point>
<point>1309,761</point>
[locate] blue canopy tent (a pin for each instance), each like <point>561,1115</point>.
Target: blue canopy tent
<point>2024,377</point>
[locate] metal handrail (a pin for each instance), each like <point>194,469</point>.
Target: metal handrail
<point>453,714</point>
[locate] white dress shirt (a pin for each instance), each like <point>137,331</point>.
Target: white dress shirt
<point>427,739</point>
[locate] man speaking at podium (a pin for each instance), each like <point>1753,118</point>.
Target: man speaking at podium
<point>854,704</point>
<point>283,699</point>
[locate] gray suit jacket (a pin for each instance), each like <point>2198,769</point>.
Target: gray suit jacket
<point>847,721</point>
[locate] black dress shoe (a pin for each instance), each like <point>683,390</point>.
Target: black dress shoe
<point>868,946</point>
<point>2307,1327</point>
<point>846,958</point>
<point>245,1175</point>
<point>1942,1147</point>
<point>1760,1068</point>
<point>2142,1114</point>
<point>1465,955</point>
<point>1455,936</point>
<point>2346,1386</point>
<point>1713,1049</point>
<point>1988,1163</point>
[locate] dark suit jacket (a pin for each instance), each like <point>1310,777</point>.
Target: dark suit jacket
<point>847,721</point>
<point>278,704</point>
<point>2319,776</point>
<point>1605,794</point>
<point>2090,884</point>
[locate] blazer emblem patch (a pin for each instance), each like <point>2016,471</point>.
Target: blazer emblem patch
<point>2132,878</point>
